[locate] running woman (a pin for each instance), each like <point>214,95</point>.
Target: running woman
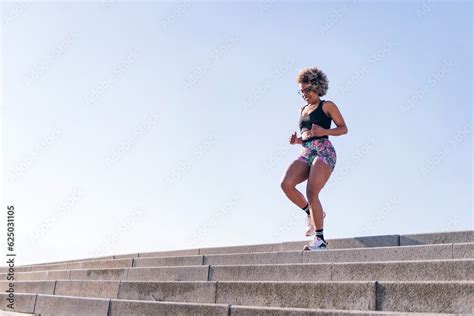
<point>318,156</point>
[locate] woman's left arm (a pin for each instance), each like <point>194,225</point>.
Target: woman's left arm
<point>336,116</point>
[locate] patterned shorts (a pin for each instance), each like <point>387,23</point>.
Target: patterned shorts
<point>318,148</point>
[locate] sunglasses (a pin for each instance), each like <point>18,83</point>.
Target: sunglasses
<point>305,90</point>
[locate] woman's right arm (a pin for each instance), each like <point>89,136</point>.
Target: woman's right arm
<point>293,140</point>
<point>299,140</point>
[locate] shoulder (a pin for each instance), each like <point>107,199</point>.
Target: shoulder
<point>328,103</point>
<point>328,107</point>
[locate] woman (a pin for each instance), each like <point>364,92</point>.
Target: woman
<point>318,157</point>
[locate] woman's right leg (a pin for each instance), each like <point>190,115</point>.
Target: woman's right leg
<point>296,173</point>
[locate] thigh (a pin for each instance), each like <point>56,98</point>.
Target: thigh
<point>318,176</point>
<point>297,172</point>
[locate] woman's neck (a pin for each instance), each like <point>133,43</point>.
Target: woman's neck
<point>315,103</point>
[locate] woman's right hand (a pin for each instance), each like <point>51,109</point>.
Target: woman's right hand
<point>293,139</point>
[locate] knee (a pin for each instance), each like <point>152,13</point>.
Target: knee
<point>286,186</point>
<point>312,194</point>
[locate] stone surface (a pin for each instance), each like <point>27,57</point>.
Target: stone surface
<point>99,274</point>
<point>44,287</point>
<point>172,253</point>
<point>71,306</point>
<point>423,252</point>
<point>347,243</point>
<point>463,250</point>
<point>200,292</point>
<point>107,264</point>
<point>323,295</point>
<point>89,264</point>
<point>280,272</point>
<point>58,275</point>
<point>24,303</point>
<point>434,297</point>
<point>74,260</point>
<point>139,308</point>
<point>190,273</point>
<point>270,311</point>
<point>39,275</point>
<point>241,249</point>
<point>100,289</point>
<point>17,269</point>
<point>168,261</point>
<point>6,313</point>
<point>433,270</point>
<point>255,258</point>
<point>28,276</point>
<point>437,238</point>
<point>130,255</point>
<point>58,266</point>
<point>355,276</point>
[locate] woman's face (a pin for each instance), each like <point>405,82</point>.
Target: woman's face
<point>308,95</point>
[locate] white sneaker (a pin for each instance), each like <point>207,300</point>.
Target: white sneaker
<point>316,245</point>
<point>310,229</point>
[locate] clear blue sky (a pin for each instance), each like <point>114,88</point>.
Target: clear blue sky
<point>164,125</point>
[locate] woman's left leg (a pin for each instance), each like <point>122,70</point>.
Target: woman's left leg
<point>318,176</point>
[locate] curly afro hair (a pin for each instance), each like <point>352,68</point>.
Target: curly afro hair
<point>315,78</point>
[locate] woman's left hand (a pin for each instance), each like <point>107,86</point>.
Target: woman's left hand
<point>317,130</point>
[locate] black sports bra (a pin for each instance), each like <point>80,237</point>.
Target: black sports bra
<point>316,117</point>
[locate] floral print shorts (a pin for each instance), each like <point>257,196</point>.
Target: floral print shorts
<point>321,148</point>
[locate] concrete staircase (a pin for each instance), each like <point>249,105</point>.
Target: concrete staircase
<point>376,275</point>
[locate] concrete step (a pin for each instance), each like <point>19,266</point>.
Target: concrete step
<point>437,238</point>
<point>429,273</point>
<point>168,261</point>
<point>7,313</point>
<point>39,275</point>
<point>281,311</point>
<point>422,252</point>
<point>22,302</point>
<point>338,243</point>
<point>426,270</point>
<point>435,297</point>
<point>434,270</point>
<point>105,263</point>
<point>64,305</point>
<point>84,259</point>
<point>429,296</point>
<point>69,305</point>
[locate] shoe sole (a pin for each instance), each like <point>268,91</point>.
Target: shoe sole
<point>319,249</point>
<point>306,248</point>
